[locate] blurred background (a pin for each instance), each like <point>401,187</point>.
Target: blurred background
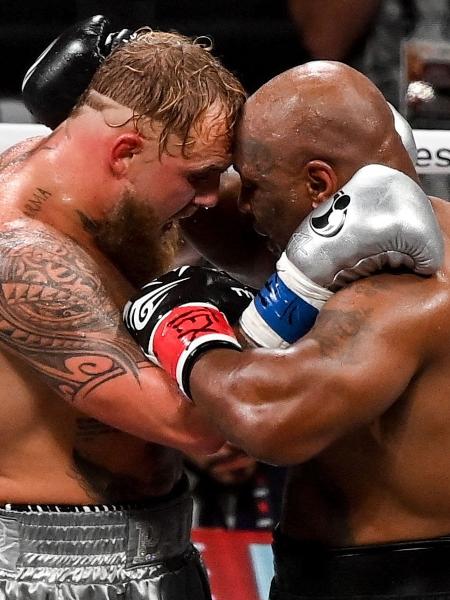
<point>256,39</point>
<point>403,45</point>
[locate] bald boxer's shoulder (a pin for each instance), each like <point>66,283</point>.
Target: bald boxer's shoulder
<point>387,326</point>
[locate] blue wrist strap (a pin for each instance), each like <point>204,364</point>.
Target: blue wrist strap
<point>287,314</point>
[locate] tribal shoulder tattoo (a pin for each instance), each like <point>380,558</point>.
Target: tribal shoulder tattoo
<point>56,314</point>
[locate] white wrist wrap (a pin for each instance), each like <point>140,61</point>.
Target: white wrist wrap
<point>302,285</point>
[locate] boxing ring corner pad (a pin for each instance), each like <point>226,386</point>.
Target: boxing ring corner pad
<point>433,145</point>
<point>12,133</point>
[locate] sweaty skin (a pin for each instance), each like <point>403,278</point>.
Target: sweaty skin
<point>83,414</point>
<point>359,407</point>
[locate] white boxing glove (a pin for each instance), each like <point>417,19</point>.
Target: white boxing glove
<point>380,219</point>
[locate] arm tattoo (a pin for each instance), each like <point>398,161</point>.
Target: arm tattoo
<point>57,315</point>
<point>371,286</point>
<point>336,332</point>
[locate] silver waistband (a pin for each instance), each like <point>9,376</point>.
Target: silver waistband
<point>124,538</point>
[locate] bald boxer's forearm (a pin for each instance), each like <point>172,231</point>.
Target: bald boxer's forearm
<point>330,28</point>
<point>286,406</point>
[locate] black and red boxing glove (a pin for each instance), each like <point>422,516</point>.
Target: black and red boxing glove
<point>183,313</point>
<point>53,84</point>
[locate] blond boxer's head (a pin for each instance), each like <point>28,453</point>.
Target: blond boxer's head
<point>163,110</point>
<point>170,82</point>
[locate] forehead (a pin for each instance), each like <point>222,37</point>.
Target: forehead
<point>253,152</point>
<point>209,139</point>
<point>259,137</point>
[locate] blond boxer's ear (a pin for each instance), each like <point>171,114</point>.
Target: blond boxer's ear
<point>321,181</point>
<point>125,146</point>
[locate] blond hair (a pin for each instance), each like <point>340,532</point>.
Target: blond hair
<point>170,79</point>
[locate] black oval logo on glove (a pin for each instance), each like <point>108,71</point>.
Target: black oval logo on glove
<point>332,221</point>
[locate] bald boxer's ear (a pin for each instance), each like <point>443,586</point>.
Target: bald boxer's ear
<point>124,148</point>
<point>321,181</point>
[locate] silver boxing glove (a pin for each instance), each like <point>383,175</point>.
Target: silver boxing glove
<point>380,219</point>
<point>403,128</point>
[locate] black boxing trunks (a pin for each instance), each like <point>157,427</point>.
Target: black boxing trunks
<point>101,552</point>
<point>408,570</point>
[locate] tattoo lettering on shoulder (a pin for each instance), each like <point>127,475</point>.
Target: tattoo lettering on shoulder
<point>34,204</point>
<point>55,313</point>
<point>336,330</point>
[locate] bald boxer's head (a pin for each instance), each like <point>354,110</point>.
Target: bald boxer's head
<point>303,135</point>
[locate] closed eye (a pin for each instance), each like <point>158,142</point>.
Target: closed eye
<point>248,185</point>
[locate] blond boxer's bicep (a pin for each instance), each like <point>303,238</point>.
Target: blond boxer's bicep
<point>56,314</point>
<point>58,317</point>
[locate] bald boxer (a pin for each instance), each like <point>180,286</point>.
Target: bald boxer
<point>358,406</point>
<point>92,505</point>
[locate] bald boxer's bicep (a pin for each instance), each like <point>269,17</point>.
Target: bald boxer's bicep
<point>286,406</point>
<point>57,315</point>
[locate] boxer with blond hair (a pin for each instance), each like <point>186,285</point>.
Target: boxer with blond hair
<point>93,499</point>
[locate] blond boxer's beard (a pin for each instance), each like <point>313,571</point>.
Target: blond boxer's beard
<point>136,242</point>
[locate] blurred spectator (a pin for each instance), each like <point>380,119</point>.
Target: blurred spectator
<point>365,34</point>
<point>256,39</point>
<point>233,491</point>
<point>403,46</point>
<point>368,34</point>
<point>332,29</point>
